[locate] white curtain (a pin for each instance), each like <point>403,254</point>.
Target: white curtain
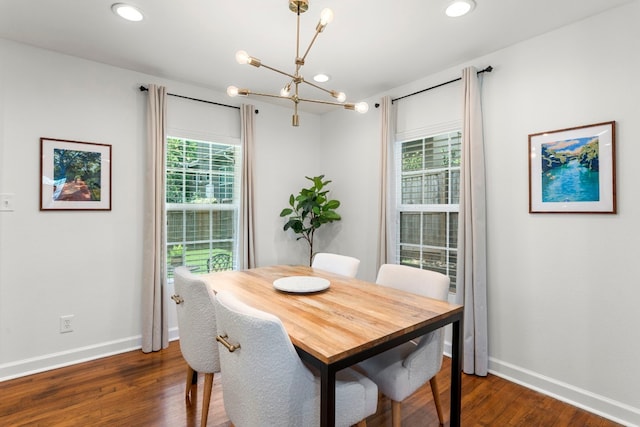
<point>472,246</point>
<point>155,335</point>
<point>247,238</point>
<point>386,225</point>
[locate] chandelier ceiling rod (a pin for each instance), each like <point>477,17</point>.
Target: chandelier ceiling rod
<point>298,7</point>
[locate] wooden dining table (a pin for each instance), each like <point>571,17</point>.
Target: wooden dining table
<point>346,323</point>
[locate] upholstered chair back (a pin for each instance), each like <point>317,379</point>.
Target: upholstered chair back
<point>264,381</point>
<point>196,322</point>
<point>334,263</point>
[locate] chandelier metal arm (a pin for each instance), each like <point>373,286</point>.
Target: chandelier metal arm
<point>315,36</point>
<point>298,63</point>
<point>280,71</point>
<point>295,99</point>
<point>330,92</point>
<point>269,95</point>
<point>317,101</point>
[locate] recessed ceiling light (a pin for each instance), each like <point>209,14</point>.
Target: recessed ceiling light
<point>321,78</point>
<point>128,12</point>
<point>458,8</point>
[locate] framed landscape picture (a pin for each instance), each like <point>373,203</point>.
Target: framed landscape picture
<point>573,170</point>
<point>74,175</point>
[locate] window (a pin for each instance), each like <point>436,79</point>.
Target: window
<point>202,201</point>
<point>428,202</point>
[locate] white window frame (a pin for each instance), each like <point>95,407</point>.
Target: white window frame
<point>234,206</point>
<point>446,208</point>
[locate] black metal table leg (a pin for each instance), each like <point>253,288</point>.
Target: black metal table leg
<point>457,341</point>
<point>327,397</point>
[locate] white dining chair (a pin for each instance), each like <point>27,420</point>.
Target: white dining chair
<point>335,263</point>
<point>264,381</point>
<point>399,372</point>
<point>197,329</point>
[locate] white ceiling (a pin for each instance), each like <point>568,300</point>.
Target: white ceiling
<point>370,47</point>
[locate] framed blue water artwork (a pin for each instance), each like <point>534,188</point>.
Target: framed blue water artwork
<point>573,170</point>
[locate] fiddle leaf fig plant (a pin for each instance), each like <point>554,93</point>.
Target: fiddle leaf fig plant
<point>309,210</point>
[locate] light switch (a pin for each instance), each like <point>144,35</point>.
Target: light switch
<point>6,202</point>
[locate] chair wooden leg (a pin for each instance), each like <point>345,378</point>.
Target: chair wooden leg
<point>190,375</point>
<point>206,398</point>
<point>436,399</point>
<point>396,414</point>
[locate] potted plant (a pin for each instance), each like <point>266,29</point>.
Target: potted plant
<point>309,210</point>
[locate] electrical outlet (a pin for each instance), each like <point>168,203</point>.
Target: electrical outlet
<point>66,323</point>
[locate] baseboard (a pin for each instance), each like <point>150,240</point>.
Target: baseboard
<point>51,361</point>
<point>608,408</point>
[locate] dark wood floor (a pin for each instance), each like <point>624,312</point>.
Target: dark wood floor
<point>136,389</point>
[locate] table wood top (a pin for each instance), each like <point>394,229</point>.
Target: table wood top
<point>348,318</point>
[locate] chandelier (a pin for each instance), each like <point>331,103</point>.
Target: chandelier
<point>290,90</point>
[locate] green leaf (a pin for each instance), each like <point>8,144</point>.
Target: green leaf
<point>286,211</point>
<point>332,204</point>
<point>332,215</point>
<point>295,225</point>
<point>317,182</point>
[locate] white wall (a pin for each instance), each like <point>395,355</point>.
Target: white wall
<point>565,287</point>
<point>58,263</point>
<point>88,263</point>
<point>351,159</point>
<point>563,290</point>
<point>284,156</point>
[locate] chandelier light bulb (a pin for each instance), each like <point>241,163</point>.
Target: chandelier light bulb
<point>326,16</point>
<point>242,57</point>
<point>341,97</point>
<point>285,90</point>
<point>232,91</point>
<point>362,107</point>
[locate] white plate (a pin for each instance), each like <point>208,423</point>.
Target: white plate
<point>301,284</point>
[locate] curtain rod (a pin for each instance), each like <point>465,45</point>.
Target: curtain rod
<point>486,70</point>
<point>144,89</point>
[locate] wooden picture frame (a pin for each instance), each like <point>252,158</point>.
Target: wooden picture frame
<point>74,175</point>
<point>573,170</point>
